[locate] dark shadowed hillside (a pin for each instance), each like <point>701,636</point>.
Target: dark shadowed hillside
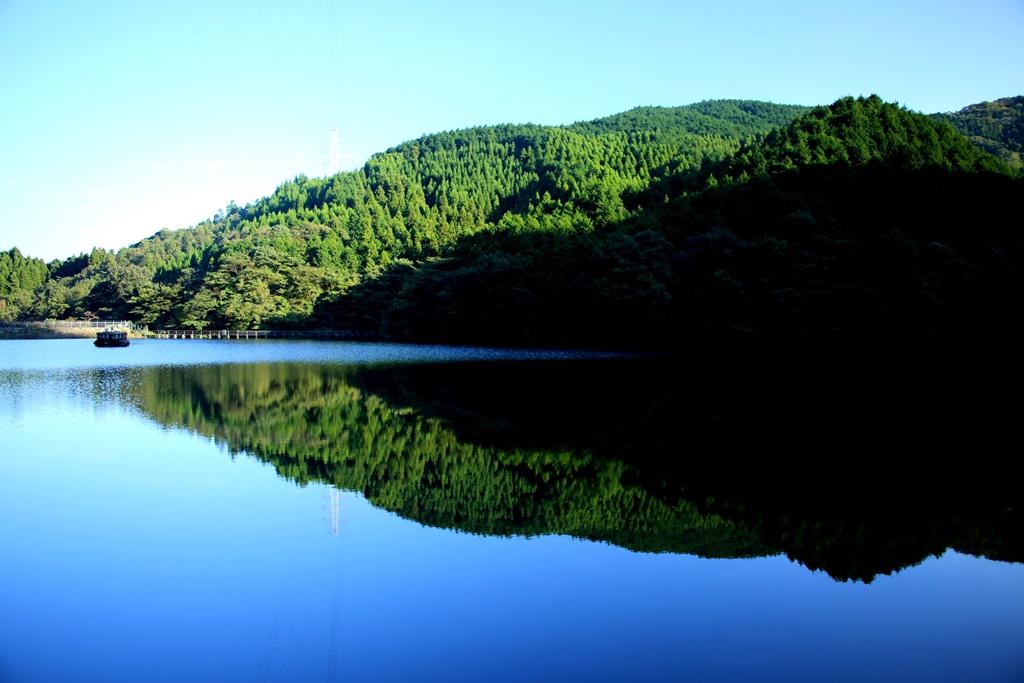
<point>859,220</point>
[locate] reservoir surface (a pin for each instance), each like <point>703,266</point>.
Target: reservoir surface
<point>299,511</point>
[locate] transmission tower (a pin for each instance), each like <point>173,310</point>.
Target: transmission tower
<point>335,511</point>
<point>334,153</point>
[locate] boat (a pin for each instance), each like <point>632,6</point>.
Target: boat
<point>112,338</point>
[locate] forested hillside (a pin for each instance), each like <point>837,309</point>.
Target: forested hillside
<point>654,227</point>
<point>274,261</point>
<point>858,220</point>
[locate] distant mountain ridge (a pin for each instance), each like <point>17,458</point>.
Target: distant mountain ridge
<point>738,118</point>
<point>996,126</point>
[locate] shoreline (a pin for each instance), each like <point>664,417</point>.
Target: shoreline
<point>35,330</point>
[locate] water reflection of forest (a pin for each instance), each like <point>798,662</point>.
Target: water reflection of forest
<point>647,455</point>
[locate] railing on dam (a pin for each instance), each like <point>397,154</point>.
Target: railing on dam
<point>261,334</point>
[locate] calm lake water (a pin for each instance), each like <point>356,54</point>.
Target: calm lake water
<point>291,511</point>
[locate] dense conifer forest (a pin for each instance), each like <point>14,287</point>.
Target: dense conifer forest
<point>997,127</point>
<point>20,277</point>
<point>651,228</point>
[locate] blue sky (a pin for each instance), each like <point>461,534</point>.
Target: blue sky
<point>122,118</point>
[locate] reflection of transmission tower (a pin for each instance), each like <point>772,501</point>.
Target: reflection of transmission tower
<point>332,650</point>
<point>335,511</point>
